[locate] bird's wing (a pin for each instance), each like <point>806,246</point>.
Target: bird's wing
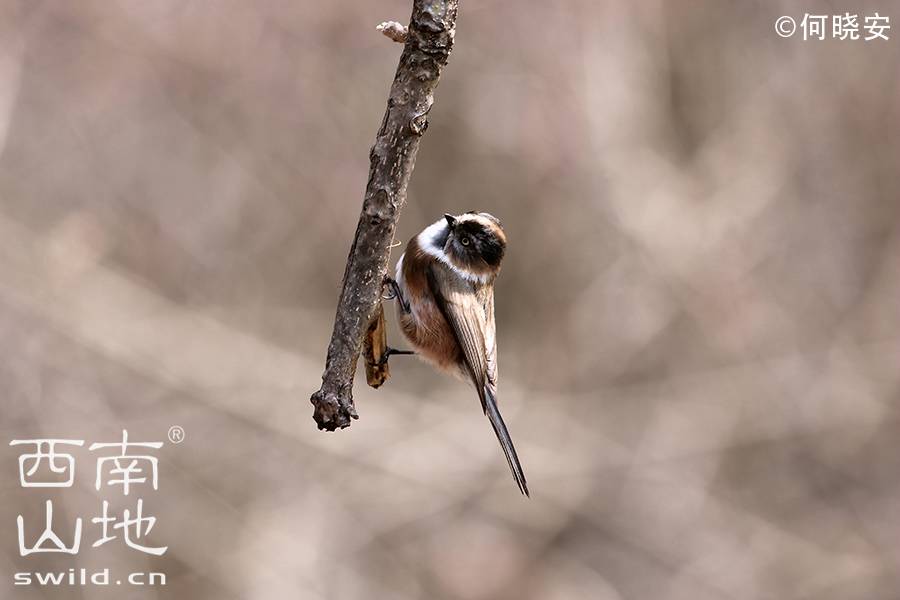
<point>490,338</point>
<point>466,316</point>
<point>470,313</point>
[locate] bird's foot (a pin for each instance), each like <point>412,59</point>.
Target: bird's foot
<point>391,352</point>
<point>393,292</point>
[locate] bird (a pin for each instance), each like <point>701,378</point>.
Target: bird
<point>444,287</point>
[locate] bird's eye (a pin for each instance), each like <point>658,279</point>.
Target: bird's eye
<point>464,241</point>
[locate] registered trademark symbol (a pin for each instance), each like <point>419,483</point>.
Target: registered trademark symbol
<point>176,434</point>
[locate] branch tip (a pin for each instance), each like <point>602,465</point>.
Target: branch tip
<point>394,30</point>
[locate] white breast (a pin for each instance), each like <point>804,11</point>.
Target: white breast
<point>398,274</point>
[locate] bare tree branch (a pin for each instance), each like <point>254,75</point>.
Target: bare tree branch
<point>426,51</point>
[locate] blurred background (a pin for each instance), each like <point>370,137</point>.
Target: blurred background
<point>698,315</point>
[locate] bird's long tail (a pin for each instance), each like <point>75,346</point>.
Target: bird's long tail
<point>490,409</point>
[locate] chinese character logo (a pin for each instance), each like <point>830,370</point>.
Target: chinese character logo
<point>48,536</point>
<point>843,27</point>
<point>127,465</point>
<point>130,464</point>
<point>45,451</point>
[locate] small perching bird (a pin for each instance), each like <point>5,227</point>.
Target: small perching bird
<point>445,290</point>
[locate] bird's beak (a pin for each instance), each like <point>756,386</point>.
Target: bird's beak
<point>451,220</point>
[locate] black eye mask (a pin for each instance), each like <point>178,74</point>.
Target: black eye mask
<point>484,243</point>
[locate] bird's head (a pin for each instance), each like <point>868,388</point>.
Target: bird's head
<point>475,242</point>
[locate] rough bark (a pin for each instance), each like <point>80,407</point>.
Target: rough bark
<point>425,52</point>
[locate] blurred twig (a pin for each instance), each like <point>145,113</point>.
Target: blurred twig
<point>426,51</point>
<point>394,30</point>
